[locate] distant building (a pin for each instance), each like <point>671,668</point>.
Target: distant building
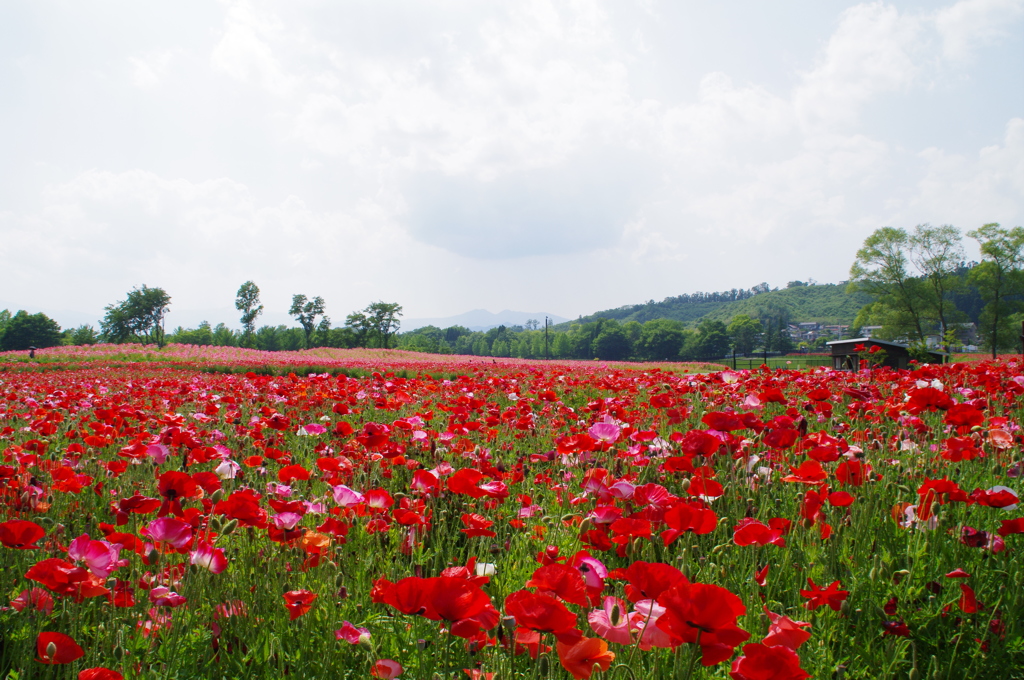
<point>846,353</point>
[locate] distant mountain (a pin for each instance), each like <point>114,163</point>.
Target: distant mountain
<point>481,320</point>
<point>824,303</point>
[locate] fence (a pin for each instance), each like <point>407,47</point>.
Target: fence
<point>772,361</point>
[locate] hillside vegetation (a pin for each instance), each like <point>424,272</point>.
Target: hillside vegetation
<point>824,303</point>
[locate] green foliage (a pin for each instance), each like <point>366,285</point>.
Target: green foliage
<point>661,340</point>
<point>375,325</point>
<point>306,312</point>
<point>247,301</point>
<point>882,270</point>
<point>25,330</point>
<point>612,343</point>
<point>999,279</point>
<point>140,317</point>
<point>221,336</point>
<point>83,335</point>
<point>712,339</point>
<point>744,332</point>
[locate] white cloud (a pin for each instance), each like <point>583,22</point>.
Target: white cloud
<point>149,69</point>
<point>874,50</point>
<point>969,191</point>
<point>433,152</point>
<point>970,23</point>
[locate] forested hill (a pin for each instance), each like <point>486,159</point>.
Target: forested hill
<point>825,303</point>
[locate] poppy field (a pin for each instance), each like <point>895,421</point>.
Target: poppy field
<point>193,513</point>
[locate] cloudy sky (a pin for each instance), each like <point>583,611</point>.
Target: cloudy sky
<point>538,155</point>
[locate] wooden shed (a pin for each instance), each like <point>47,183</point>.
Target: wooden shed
<point>846,353</point>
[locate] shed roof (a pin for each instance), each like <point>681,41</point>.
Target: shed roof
<point>875,341</point>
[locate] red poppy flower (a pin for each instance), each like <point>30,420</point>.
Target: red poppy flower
<point>897,628</point>
<point>452,598</point>
<point>785,631</point>
<point>174,486</point>
<point>66,579</point>
<point>54,648</point>
<point>1011,526</point>
<point>831,596</point>
<point>562,581</point>
<point>298,602</point>
<point>968,601</point>
<point>706,615</point>
<point>750,531</point>
<point>542,613</point>
<point>20,534</point>
<point>764,662</point>
<point>36,598</point>
<point>99,673</point>
<point>580,657</point>
<point>964,415</point>
<point>477,525</point>
<point>648,580</point>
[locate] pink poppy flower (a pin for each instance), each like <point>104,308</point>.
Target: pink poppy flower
<point>169,530</point>
<point>351,634</point>
<point>386,669</point>
<point>209,558</point>
<point>612,621</point>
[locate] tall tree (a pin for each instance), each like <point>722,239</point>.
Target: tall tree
<point>26,330</point>
<point>998,277</point>
<point>305,312</point>
<point>139,317</point>
<point>247,301</point>
<point>938,253</point>
<point>376,324</point>
<point>881,270</point>
<point>744,332</point>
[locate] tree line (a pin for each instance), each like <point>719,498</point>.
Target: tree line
<point>605,339</point>
<point>139,318</point>
<point>918,281</point>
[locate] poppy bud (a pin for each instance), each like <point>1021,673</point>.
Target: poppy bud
<point>153,557</point>
<point>685,485</point>
<point>217,495</point>
<point>542,665</point>
<point>339,579</point>
<point>229,527</point>
<point>118,652</point>
<point>51,651</point>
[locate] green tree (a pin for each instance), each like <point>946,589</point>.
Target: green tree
<point>224,336</point>
<point>744,333</point>
<point>712,339</point>
<point>612,343</point>
<point>83,335</point>
<point>660,340</point>
<point>200,336</point>
<point>938,254</point>
<point>998,277</point>
<point>140,317</point>
<point>247,301</point>
<point>305,312</point>
<point>881,270</point>
<point>376,324</point>
<point>26,330</point>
